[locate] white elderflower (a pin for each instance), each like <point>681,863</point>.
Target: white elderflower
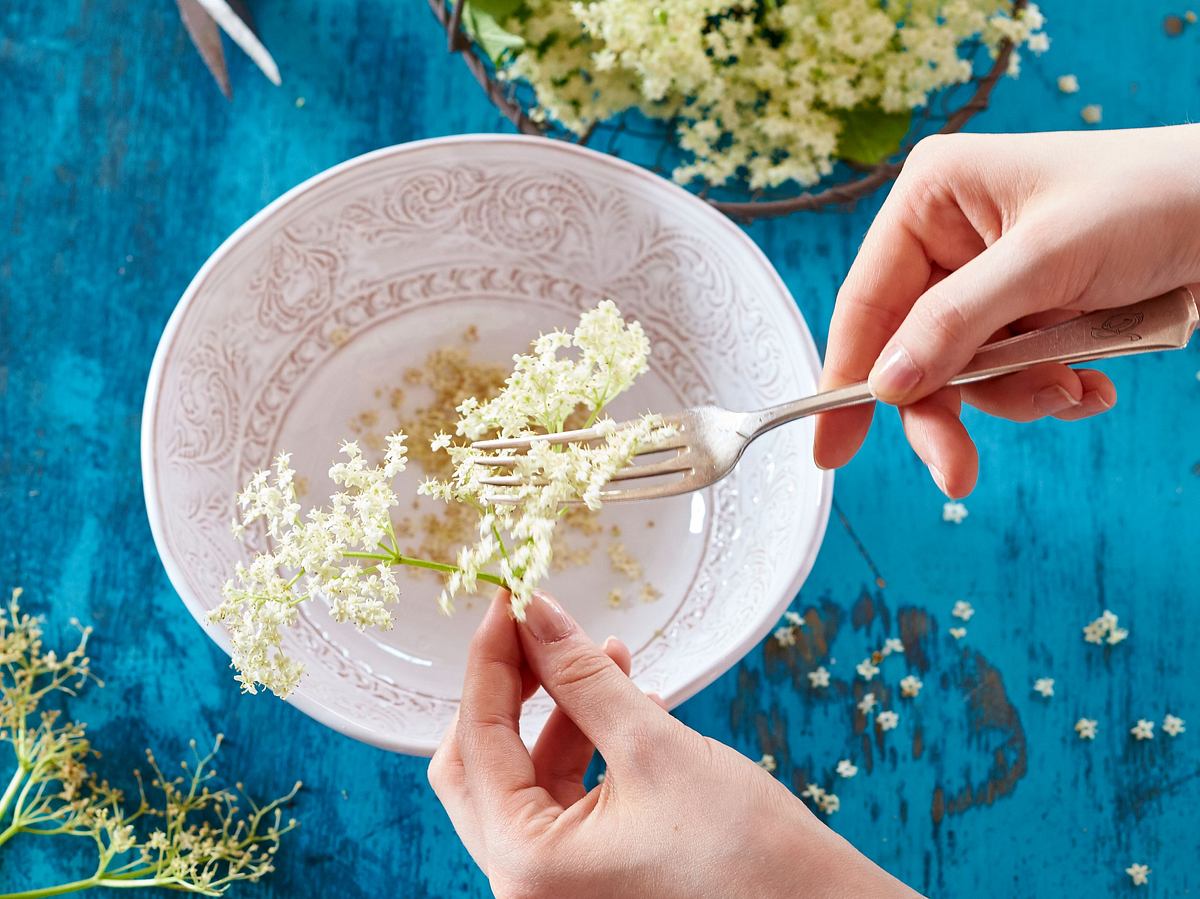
<point>887,720</point>
<point>1092,113</point>
<point>958,632</point>
<point>846,768</point>
<point>795,619</point>
<point>763,96</point>
<point>963,610</point>
<point>1143,730</point>
<point>345,553</point>
<point>1104,629</point>
<point>891,645</point>
<point>1086,728</point>
<point>1173,726</point>
<point>785,636</point>
<point>1139,874</point>
<point>866,669</point>
<point>1044,686</point>
<point>818,677</point>
<point>866,703</point>
<point>825,801</point>
<point>1068,84</point>
<point>910,686</point>
<point>954,512</point>
<point>767,762</point>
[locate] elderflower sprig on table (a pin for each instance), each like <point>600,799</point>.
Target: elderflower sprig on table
<point>770,92</point>
<point>346,553</point>
<point>195,839</point>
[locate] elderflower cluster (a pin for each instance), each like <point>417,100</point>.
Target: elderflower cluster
<point>565,374</point>
<point>758,91</point>
<point>195,837</point>
<point>331,551</point>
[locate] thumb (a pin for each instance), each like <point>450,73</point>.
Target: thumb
<point>617,717</point>
<point>954,317</point>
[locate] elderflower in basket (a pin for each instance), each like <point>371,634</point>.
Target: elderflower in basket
<point>346,553</point>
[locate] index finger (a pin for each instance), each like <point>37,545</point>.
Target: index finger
<point>889,273</point>
<point>496,763</point>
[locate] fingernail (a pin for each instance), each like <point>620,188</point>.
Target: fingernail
<point>1094,403</point>
<point>1054,399</point>
<point>545,620</point>
<point>939,479</point>
<point>895,375</point>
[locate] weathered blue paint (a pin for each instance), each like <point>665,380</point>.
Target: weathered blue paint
<point>121,168</point>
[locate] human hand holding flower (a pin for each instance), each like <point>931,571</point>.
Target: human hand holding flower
<point>984,236</point>
<point>677,814</point>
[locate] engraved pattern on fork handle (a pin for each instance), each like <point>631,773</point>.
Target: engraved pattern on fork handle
<point>1164,322</point>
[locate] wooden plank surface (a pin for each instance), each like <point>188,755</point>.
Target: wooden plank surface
<point>122,168</point>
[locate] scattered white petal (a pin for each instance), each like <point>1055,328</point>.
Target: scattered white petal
<point>887,720</point>
<point>794,618</point>
<point>1143,730</point>
<point>767,762</point>
<point>846,768</point>
<point>910,686</point>
<point>866,669</point>
<point>785,636</point>
<point>819,677</point>
<point>1044,686</point>
<point>954,512</point>
<point>963,609</point>
<point>1092,113</point>
<point>866,703</point>
<point>1068,84</point>
<point>1139,874</point>
<point>958,632</point>
<point>1173,726</point>
<point>1086,728</point>
<point>891,645</point>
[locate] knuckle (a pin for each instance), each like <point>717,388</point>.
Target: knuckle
<point>578,670</point>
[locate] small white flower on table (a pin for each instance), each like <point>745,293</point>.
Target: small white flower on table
<point>846,768</point>
<point>1068,84</point>
<point>767,762</point>
<point>1143,730</point>
<point>891,645</point>
<point>819,677</point>
<point>785,636</point>
<point>1092,113</point>
<point>866,669</point>
<point>1173,726</point>
<point>963,609</point>
<point>954,512</point>
<point>1104,629</point>
<point>887,720</point>
<point>910,686</point>
<point>866,703</point>
<point>794,618</point>
<point>1139,874</point>
<point>958,632</point>
<point>1086,728</point>
<point>1044,686</point>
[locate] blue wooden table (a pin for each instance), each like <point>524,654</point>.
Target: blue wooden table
<point>122,167</point>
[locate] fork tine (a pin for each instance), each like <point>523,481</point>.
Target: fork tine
<point>677,463</point>
<point>655,491</point>
<point>524,443</point>
<point>496,461</point>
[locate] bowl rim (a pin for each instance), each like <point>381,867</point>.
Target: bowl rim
<point>153,500</point>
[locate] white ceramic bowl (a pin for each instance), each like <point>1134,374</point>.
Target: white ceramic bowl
<point>343,282</point>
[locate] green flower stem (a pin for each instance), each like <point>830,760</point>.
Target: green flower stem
<point>10,791</point>
<point>9,832</point>
<point>445,569</point>
<point>96,880</point>
<point>398,559</point>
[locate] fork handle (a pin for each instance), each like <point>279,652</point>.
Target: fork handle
<point>1164,322</point>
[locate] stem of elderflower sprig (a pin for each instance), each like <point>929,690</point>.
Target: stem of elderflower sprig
<point>398,558</point>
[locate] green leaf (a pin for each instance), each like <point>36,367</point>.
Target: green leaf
<point>497,9</point>
<point>870,135</point>
<point>485,30</point>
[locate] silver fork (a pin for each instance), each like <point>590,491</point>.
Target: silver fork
<point>708,440</point>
